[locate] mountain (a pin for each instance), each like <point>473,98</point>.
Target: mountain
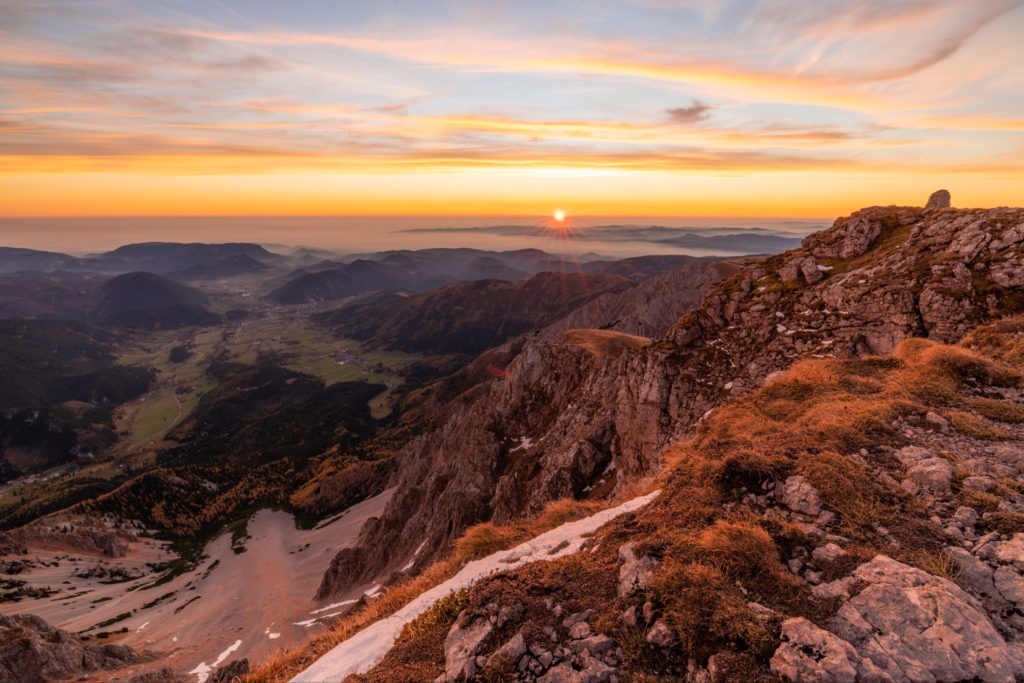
<point>813,475</point>
<point>428,268</point>
<point>45,365</point>
<point>53,361</point>
<point>169,257</point>
<point>603,422</point>
<point>13,259</point>
<point>640,268</point>
<point>490,268</point>
<point>468,317</point>
<point>147,300</point>
<point>348,280</point>
<point>38,294</point>
<point>232,266</point>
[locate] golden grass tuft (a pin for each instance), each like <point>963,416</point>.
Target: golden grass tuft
<point>604,343</point>
<point>705,609</point>
<point>1000,411</point>
<point>738,548</point>
<point>975,426</point>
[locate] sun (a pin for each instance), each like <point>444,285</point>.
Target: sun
<point>558,215</point>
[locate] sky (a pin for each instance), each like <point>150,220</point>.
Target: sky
<point>645,108</point>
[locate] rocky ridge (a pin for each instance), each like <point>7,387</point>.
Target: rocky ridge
<point>33,651</point>
<point>565,423</point>
<point>852,520</point>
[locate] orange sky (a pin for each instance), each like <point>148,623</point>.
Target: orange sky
<point>639,108</point>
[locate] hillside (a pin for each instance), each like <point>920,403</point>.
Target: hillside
<point>604,422</point>
<point>833,469</point>
<point>468,317</point>
<point>232,266</point>
<point>853,519</point>
<point>147,300</point>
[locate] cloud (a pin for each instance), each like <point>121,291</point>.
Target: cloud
<point>698,111</point>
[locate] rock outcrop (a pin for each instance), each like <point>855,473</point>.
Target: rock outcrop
<point>938,200</point>
<point>566,424</point>
<point>901,624</point>
<point>33,651</point>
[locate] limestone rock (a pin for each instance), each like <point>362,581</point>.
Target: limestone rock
<point>231,672</point>
<point>660,634</point>
<point>830,552</point>
<point>939,199</point>
<point>1010,584</point>
<point>601,422</point>
<point>799,495</point>
<point>919,627</point>
<point>1011,551</point>
<point>464,640</point>
<point>932,474</point>
<point>809,269</point>
<point>510,652</point>
<point>813,655</point>
<point>33,651</point>
<point>636,572</point>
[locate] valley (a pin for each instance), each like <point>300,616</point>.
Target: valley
<point>252,586</point>
<point>351,485</point>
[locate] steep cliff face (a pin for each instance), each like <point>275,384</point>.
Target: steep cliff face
<point>568,423</point>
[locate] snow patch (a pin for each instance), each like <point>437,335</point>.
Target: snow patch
<point>333,605</point>
<point>273,636</point>
<point>525,443</point>
<point>202,670</point>
<point>362,651</point>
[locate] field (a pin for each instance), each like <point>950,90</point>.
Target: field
<point>297,344</point>
<point>180,360</point>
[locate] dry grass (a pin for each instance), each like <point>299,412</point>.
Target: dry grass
<point>1000,411</point>
<point>604,343</point>
<point>738,549</point>
<point>976,427</point>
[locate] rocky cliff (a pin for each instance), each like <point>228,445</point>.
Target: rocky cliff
<point>566,422</point>
<point>31,650</point>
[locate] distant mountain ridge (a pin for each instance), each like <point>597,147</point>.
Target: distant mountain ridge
<point>469,317</point>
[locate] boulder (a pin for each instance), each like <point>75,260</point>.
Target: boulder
<point>799,495</point>
<point>830,552</point>
<point>809,269</point>
<point>919,627</point>
<point>810,654</point>
<point>464,640</point>
<point>940,199</point>
<point>231,673</point>
<point>1011,551</point>
<point>636,572</point>
<point>934,475</point>
<point>1010,584</point>
<point>509,653</point>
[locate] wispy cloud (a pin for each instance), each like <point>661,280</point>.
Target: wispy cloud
<point>644,86</point>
